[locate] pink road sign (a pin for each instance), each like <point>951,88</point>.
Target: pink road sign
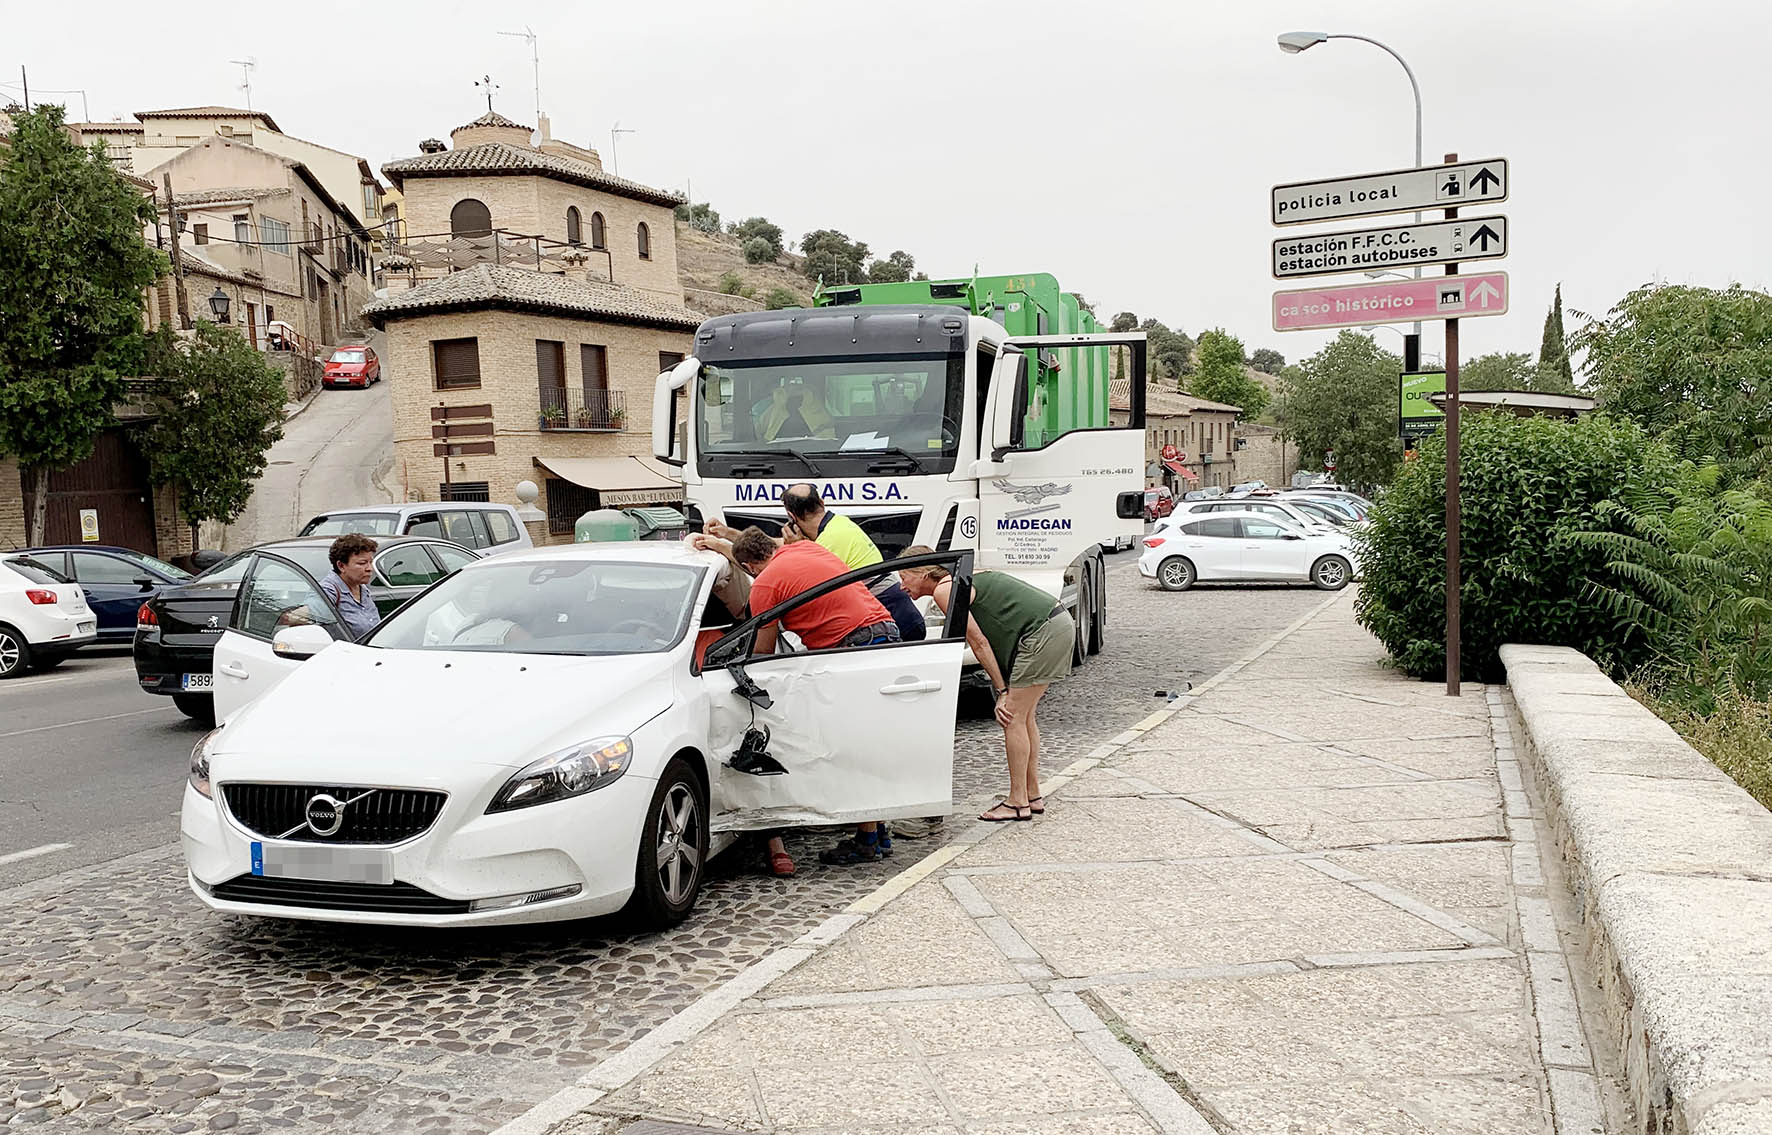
<point>1391,301</point>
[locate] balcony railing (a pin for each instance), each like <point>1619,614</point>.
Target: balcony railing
<point>597,411</point>
<point>500,247</point>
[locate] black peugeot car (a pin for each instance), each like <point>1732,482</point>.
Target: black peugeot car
<point>175,631</point>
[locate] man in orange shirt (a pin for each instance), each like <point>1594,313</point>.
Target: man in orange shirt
<point>848,616</point>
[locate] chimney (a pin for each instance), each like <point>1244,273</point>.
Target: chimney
<point>432,146</point>
<point>542,124</point>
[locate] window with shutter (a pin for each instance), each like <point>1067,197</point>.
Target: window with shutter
<point>457,363</point>
<point>668,359</point>
<point>645,241</point>
<point>200,233</point>
<point>594,360</point>
<point>470,218</point>
<point>572,230</point>
<point>597,231</point>
<point>550,373</point>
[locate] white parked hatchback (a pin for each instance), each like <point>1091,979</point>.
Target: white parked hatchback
<point>549,734</point>
<point>1247,547</point>
<point>43,616</point>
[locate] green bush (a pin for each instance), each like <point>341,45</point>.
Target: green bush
<point>1528,486</point>
<point>777,298</point>
<point>758,250</point>
<point>732,283</point>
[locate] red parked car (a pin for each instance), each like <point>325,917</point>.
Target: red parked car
<point>351,366</point>
<point>1158,503</point>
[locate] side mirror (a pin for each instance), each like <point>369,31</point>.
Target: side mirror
<point>146,583</point>
<point>300,643</point>
<point>1290,536</point>
<point>671,386</point>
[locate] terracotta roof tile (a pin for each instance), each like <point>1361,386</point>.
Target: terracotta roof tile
<point>502,157</point>
<point>493,118</point>
<point>492,286</point>
<point>1157,400</point>
<point>210,112</point>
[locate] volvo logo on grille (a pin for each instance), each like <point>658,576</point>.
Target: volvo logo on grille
<point>325,814</point>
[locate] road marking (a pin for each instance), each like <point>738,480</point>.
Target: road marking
<point>84,721</point>
<point>34,852</point>
<point>107,668</point>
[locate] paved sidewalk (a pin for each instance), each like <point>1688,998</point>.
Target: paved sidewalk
<point>1287,904</point>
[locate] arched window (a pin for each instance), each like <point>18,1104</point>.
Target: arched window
<point>597,231</point>
<point>572,236</point>
<point>645,235</point>
<point>470,218</point>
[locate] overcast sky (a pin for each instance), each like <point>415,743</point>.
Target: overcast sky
<point>1127,147</point>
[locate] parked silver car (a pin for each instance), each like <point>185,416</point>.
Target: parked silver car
<point>488,528</point>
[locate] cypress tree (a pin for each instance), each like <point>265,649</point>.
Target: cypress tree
<point>1553,375</point>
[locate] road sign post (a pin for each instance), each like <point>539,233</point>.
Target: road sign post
<point>1454,671</point>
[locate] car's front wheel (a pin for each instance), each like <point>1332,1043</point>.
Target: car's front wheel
<point>673,850</point>
<point>15,653</point>
<point>1331,573</point>
<point>198,707</point>
<point>1176,573</point>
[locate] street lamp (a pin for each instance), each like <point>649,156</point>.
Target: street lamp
<point>218,303</point>
<point>1294,42</point>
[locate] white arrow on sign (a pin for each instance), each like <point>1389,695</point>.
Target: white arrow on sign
<point>1397,191</point>
<point>1483,293</point>
<point>1398,246</point>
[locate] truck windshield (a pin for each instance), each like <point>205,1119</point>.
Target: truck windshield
<point>849,414</point>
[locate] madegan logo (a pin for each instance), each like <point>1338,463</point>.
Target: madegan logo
<point>1031,494</point>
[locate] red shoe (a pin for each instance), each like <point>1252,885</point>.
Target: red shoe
<point>781,865</point>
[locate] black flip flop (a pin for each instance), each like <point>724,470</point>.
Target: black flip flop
<point>1015,813</point>
<point>1040,801</point>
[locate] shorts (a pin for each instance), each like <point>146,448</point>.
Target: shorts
<point>1043,656</point>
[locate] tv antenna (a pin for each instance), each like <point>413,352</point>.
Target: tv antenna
<point>528,35</point>
<point>615,133</point>
<point>485,82</point>
<point>246,68</point>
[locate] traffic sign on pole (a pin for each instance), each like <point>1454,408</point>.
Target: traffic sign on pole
<point>1398,246</point>
<point>1391,301</point>
<point>1395,191</point>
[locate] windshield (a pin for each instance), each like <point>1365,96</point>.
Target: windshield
<point>348,356</point>
<point>847,415</point>
<point>368,523</point>
<point>35,570</point>
<point>557,607</point>
<point>160,566</point>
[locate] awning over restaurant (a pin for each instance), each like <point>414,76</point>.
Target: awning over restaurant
<point>619,481</point>
<point>1182,470</point>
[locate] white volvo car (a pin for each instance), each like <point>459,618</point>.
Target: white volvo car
<point>1246,547</point>
<point>550,734</point>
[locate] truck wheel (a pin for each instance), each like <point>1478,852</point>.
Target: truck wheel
<point>1176,573</point>
<point>1331,573</point>
<point>1098,632</point>
<point>1085,604</point>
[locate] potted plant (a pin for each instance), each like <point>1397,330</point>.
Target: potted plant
<point>587,418</point>
<point>616,418</point>
<point>553,417</point>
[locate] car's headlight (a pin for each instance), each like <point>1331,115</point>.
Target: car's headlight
<point>570,772</point>
<point>200,762</point>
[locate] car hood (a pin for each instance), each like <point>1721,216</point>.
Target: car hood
<point>411,717</point>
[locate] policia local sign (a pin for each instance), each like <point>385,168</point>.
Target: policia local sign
<point>1394,191</point>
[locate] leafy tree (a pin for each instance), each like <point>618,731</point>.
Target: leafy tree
<point>1221,377</point>
<point>1554,375</point>
<point>701,218</point>
<point>1267,360</point>
<point>1529,486</point>
<point>1083,302</point>
<point>1125,321</point>
<point>895,269</point>
<point>73,267</point>
<point>777,298</point>
<point>759,251</point>
<point>1344,398</point>
<point>757,228</point>
<point>219,408</point>
<point>834,258</point>
<point>1496,371</point>
<point>1691,365</point>
<point>1169,354</point>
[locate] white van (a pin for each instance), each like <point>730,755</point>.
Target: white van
<point>488,528</point>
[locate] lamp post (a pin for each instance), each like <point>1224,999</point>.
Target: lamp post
<point>218,303</point>
<point>1294,42</point>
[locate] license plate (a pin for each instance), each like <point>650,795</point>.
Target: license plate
<point>85,628</point>
<point>197,682</point>
<point>323,864</point>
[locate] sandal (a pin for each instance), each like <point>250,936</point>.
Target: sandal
<point>1037,805</point>
<point>1016,812</point>
<point>781,865</point>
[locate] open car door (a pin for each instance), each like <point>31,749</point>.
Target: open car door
<point>274,595</point>
<point>1041,506</point>
<point>862,733</point>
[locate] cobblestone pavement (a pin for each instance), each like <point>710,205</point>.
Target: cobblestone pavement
<point>125,1006</point>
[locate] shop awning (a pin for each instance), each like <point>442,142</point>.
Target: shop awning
<point>1181,470</point>
<point>619,481</point>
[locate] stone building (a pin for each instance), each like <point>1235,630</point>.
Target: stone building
<point>1202,432</point>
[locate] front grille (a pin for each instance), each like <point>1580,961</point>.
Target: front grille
<point>394,898</point>
<point>386,815</point>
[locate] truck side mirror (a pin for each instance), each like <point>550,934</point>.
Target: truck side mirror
<point>1009,387</point>
<point>671,386</point>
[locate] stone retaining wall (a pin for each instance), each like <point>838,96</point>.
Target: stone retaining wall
<point>1671,862</point>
